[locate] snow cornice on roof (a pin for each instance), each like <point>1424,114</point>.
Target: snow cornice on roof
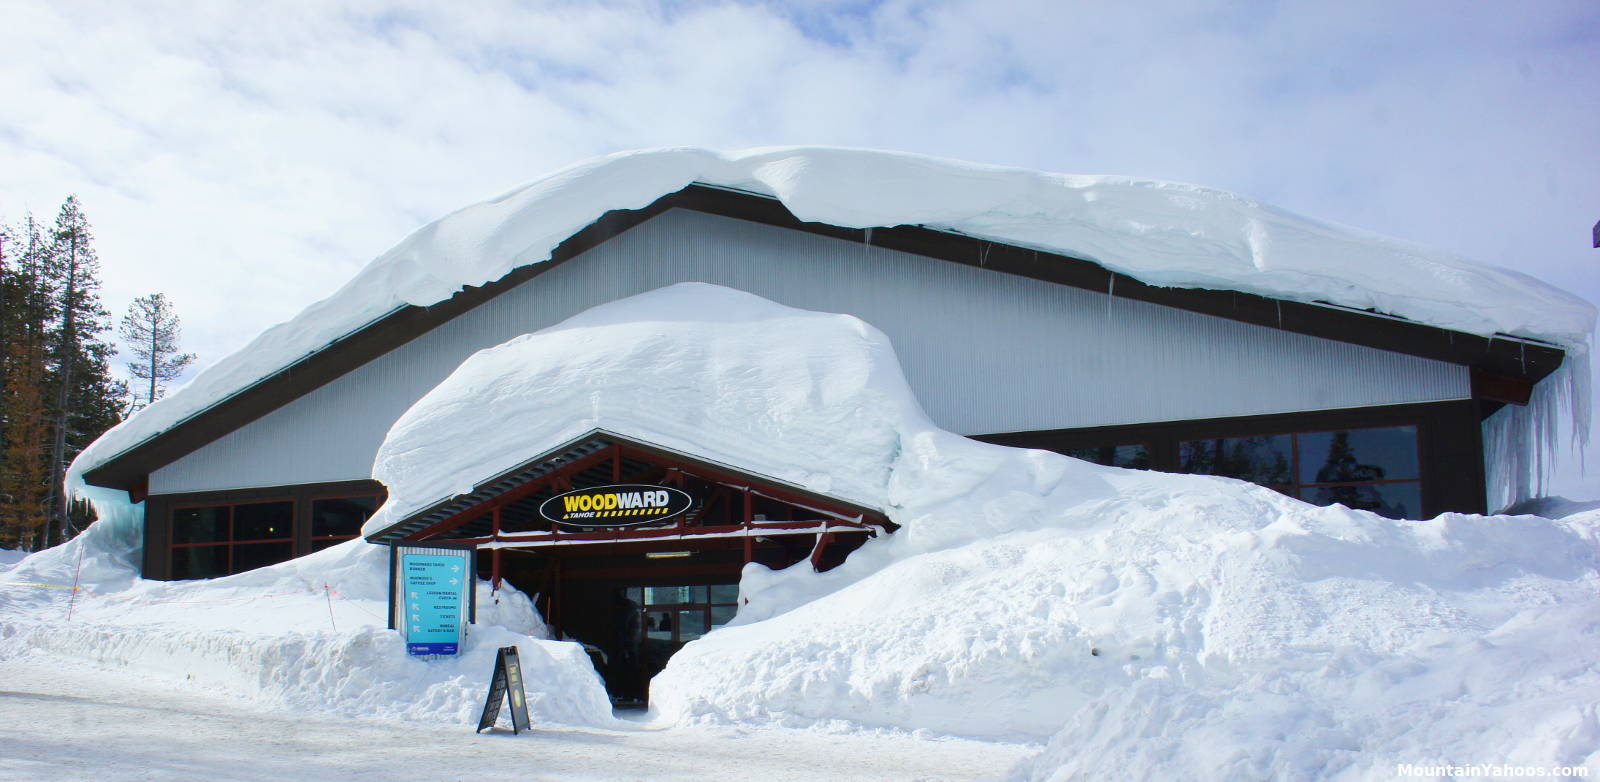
<point>1181,245</point>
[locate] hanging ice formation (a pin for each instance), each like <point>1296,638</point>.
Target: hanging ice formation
<point>1520,442</point>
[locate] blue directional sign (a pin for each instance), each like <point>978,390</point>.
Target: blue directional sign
<point>434,589</point>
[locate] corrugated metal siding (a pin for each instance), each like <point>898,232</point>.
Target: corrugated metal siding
<point>985,352</point>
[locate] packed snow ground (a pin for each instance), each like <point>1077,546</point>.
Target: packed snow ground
<point>76,722</point>
<point>1144,625</point>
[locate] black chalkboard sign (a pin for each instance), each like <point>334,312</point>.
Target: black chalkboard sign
<point>507,682</point>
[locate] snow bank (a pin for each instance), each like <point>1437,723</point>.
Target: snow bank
<point>1143,623</point>
<point>1188,628</point>
<point>309,634</point>
<point>1159,232</point>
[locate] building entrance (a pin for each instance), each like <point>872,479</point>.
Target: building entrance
<point>652,624</point>
<point>635,550</point>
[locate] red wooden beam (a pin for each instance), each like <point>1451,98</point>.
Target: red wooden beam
<point>510,496</point>
<point>1501,388</point>
<point>749,516</point>
<point>715,475</point>
<point>816,553</point>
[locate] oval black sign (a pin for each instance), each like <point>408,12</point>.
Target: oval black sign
<point>623,505</point>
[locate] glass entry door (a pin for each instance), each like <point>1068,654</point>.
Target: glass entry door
<point>666,618</point>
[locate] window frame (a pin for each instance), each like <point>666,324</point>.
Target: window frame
<point>1449,442</point>
<point>230,542</point>
<point>311,518</point>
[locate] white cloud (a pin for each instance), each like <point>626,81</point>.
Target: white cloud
<point>246,158</point>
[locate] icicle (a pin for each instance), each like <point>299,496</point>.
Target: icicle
<point>1520,443</point>
<point>869,236</point>
<point>1111,295</point>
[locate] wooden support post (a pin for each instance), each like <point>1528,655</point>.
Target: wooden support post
<point>555,598</point>
<point>494,554</point>
<point>816,553</point>
<point>749,543</point>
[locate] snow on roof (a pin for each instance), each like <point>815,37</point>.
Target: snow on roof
<point>813,399</point>
<point>1160,233</point>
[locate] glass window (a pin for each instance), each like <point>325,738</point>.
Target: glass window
<point>1133,457</point>
<point>200,525</point>
<point>725,593</point>
<point>341,516</point>
<point>1401,500</point>
<point>1372,469</point>
<point>1389,453</point>
<point>658,625</point>
<point>199,562</point>
<point>721,615</point>
<point>220,540</point>
<point>263,521</point>
<point>674,595</point>
<point>249,556</point>
<point>692,624</point>
<point>1263,459</point>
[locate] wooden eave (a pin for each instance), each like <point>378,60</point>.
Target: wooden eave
<point>469,517</point>
<point>1500,358</point>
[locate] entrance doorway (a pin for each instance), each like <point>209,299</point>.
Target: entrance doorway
<point>635,550</point>
<point>654,622</point>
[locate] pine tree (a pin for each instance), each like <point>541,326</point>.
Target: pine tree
<point>86,399</point>
<point>152,330</point>
<point>24,364</point>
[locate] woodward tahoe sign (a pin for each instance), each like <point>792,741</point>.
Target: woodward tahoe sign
<point>620,505</point>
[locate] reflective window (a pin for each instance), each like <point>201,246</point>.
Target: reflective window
<point>1389,453</point>
<point>220,540</point>
<point>200,525</point>
<point>1402,500</point>
<point>339,518</point>
<point>658,625</point>
<point>1371,468</point>
<point>199,562</point>
<point>692,625</point>
<point>263,521</point>
<point>249,556</point>
<point>1133,457</point>
<point>1263,459</point>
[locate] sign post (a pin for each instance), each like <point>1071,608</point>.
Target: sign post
<point>507,682</point>
<point>432,596</point>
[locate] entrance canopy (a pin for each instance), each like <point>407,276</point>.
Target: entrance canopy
<point>724,507</point>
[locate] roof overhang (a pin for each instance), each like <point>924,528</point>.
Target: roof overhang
<point>501,512</point>
<point>1502,361</point>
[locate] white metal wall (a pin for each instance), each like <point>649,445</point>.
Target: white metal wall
<point>985,352</point>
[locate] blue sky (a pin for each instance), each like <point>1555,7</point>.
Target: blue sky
<point>248,158</point>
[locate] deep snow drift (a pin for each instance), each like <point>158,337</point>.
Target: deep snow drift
<point>1161,233</point>
<point>1146,625</point>
<point>1166,621</point>
<point>308,634</point>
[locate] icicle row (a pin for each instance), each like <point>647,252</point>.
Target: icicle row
<point>1521,443</point>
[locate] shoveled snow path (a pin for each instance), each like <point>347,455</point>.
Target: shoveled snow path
<point>86,723</point>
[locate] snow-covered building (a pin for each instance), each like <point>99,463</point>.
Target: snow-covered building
<point>1134,323</point>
